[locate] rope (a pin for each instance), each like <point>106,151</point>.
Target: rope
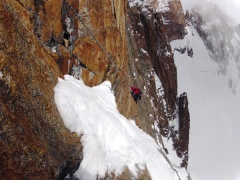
<point>90,34</point>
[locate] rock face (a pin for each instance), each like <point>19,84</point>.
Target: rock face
<point>184,126</point>
<point>146,39</point>
<point>34,142</point>
<point>150,58</point>
<point>221,47</point>
<point>174,20</point>
<point>121,41</point>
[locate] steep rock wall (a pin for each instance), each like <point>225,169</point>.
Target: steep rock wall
<point>150,56</point>
<point>89,40</point>
<point>174,20</point>
<point>29,72</point>
<point>88,36</point>
<point>34,142</point>
<point>102,48</point>
<point>151,53</point>
<point>184,127</point>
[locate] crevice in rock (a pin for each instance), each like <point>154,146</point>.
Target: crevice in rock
<point>68,169</point>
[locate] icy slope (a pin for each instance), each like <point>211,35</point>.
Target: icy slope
<point>214,105</point>
<point>110,141</point>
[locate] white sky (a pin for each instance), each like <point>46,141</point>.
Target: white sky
<point>230,7</point>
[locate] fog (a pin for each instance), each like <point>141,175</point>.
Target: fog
<point>230,7</point>
<point>221,141</point>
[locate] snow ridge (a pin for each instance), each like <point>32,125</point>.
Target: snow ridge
<point>110,141</point>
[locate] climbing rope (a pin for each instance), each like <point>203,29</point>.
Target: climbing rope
<point>91,35</point>
<point>89,32</point>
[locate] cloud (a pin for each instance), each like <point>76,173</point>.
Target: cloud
<point>230,7</point>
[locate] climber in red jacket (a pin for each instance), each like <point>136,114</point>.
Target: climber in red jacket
<point>136,93</point>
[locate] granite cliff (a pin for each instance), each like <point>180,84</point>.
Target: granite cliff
<point>125,42</point>
<point>34,142</point>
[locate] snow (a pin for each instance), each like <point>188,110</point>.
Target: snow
<point>54,49</point>
<point>76,71</point>
<point>68,24</point>
<point>160,91</point>
<point>110,141</point>
<point>214,106</point>
<point>167,141</point>
<point>230,7</point>
<point>163,6</point>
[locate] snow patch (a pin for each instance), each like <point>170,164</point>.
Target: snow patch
<point>54,49</point>
<point>163,6</point>
<point>110,141</point>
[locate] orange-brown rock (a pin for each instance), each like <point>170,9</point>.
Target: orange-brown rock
<point>101,47</point>
<point>126,175</point>
<point>34,143</point>
<point>108,40</point>
<point>44,12</point>
<point>65,59</point>
<point>104,53</point>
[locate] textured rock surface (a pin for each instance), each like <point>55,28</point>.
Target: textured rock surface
<point>174,20</point>
<point>101,47</point>
<point>41,40</point>
<point>184,127</point>
<point>221,47</point>
<point>34,143</point>
<point>181,135</point>
<point>150,52</point>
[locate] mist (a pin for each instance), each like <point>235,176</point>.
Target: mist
<point>230,7</point>
<point>222,140</point>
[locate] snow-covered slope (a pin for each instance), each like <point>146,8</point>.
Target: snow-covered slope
<point>218,34</point>
<point>110,141</point>
<point>214,105</point>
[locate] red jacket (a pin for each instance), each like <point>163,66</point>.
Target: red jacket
<point>135,90</point>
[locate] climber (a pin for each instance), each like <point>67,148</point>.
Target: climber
<point>136,93</point>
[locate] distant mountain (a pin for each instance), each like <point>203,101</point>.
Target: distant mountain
<point>210,77</point>
<point>218,34</point>
<point>237,29</point>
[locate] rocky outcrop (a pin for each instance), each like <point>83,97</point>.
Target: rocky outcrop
<point>184,127</point>
<point>102,48</point>
<point>174,20</point>
<point>151,56</point>
<point>219,37</point>
<point>29,72</point>
<point>34,142</point>
<point>180,135</point>
<point>151,53</point>
<point>127,175</point>
<point>88,37</point>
